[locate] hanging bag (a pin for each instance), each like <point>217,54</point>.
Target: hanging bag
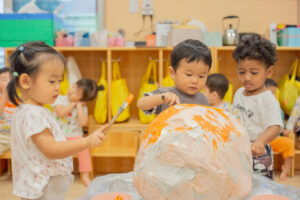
<point>119,93</point>
<point>64,85</point>
<point>73,72</point>
<point>149,84</point>
<point>289,89</point>
<point>100,112</point>
<point>167,80</point>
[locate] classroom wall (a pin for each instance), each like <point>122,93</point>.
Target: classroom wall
<point>255,15</point>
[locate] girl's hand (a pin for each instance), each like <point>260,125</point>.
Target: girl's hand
<point>258,148</point>
<point>287,132</point>
<point>170,98</point>
<point>96,138</point>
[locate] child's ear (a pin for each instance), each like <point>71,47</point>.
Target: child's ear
<point>25,81</point>
<point>270,71</point>
<point>171,72</point>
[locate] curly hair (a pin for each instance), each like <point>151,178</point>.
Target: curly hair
<point>254,47</point>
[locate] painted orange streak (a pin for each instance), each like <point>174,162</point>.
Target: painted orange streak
<point>207,122</point>
<point>158,124</point>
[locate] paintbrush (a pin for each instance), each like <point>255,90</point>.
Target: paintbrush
<point>121,109</point>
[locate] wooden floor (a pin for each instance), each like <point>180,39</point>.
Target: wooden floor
<point>77,189</point>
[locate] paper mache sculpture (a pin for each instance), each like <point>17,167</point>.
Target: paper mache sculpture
<point>194,152</point>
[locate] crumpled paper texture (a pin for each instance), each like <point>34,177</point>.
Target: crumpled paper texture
<point>194,152</point>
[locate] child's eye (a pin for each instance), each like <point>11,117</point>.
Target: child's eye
<point>52,82</point>
<point>60,81</point>
<point>201,76</point>
<point>254,73</point>
<point>241,72</point>
<point>188,74</point>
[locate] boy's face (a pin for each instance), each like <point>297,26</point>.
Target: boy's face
<point>74,93</point>
<point>190,78</point>
<point>253,74</point>
<point>4,80</point>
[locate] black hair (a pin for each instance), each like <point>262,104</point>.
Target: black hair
<point>89,89</point>
<point>270,82</point>
<point>191,50</point>
<point>4,69</point>
<point>27,59</point>
<point>252,46</point>
<point>217,83</point>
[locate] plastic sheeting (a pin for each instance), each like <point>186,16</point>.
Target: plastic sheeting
<point>123,183</point>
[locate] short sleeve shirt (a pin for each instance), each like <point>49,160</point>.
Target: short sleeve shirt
<point>198,98</point>
<point>257,112</point>
<point>31,169</point>
<point>69,124</point>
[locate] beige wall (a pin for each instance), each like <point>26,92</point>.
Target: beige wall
<point>255,15</point>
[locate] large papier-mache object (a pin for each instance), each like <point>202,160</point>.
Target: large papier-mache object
<point>194,152</point>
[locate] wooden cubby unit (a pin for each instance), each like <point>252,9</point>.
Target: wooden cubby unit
<point>133,63</point>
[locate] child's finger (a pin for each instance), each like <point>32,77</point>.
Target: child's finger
<point>103,128</point>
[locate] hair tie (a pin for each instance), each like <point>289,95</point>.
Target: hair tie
<point>15,74</point>
<point>21,48</point>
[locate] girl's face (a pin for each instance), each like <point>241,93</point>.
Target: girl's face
<point>74,93</point>
<point>44,87</point>
<point>253,74</point>
<point>4,80</point>
<point>190,78</point>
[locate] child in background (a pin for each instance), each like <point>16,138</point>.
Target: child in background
<point>255,105</point>
<point>293,123</point>
<point>72,115</point>
<point>215,90</point>
<point>281,144</point>
<point>41,156</point>
<point>191,61</point>
<point>6,111</point>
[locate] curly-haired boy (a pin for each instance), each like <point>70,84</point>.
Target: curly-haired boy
<point>255,106</point>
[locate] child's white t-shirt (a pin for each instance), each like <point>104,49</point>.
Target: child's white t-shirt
<point>31,169</point>
<point>69,124</point>
<point>257,112</point>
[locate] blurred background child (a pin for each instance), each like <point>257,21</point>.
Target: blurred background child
<point>293,123</point>
<point>215,90</point>
<point>281,144</point>
<point>72,114</point>
<point>6,111</point>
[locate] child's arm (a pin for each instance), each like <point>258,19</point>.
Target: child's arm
<point>258,146</point>
<point>63,111</point>
<point>82,116</point>
<point>149,102</point>
<point>58,150</point>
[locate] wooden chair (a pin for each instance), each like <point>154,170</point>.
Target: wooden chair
<point>116,144</point>
<point>6,156</point>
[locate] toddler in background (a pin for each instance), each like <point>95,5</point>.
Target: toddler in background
<point>190,64</point>
<point>215,90</point>
<point>41,157</point>
<point>255,105</point>
<point>72,114</point>
<point>281,144</point>
<point>7,110</point>
<point>293,123</point>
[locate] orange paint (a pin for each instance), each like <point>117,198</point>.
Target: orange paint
<point>118,198</point>
<point>207,122</point>
<point>158,124</point>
